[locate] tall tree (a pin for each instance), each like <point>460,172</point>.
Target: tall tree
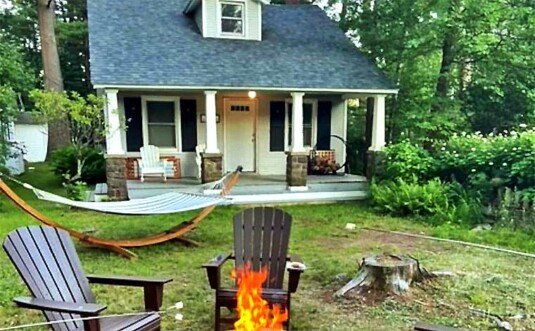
<point>58,131</point>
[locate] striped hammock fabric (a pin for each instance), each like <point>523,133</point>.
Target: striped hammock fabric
<point>167,203</point>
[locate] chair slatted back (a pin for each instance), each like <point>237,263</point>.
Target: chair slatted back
<point>261,237</point>
<point>150,155</point>
<point>46,260</point>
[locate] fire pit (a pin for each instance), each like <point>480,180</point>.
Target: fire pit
<point>255,314</point>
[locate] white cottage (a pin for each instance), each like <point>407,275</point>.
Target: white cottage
<point>258,85</point>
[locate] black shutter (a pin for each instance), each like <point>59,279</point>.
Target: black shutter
<point>188,124</point>
<point>324,125</point>
<point>134,124</point>
<point>276,126</point>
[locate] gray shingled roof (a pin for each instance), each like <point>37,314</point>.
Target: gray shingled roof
<point>151,43</point>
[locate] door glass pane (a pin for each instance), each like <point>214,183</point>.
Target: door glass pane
<point>162,135</point>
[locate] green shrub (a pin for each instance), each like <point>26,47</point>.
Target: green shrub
<point>406,161</point>
<point>94,170</point>
<point>434,201</point>
<point>76,191</point>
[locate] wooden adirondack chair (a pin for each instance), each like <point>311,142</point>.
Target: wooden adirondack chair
<point>261,238</point>
<point>47,262</point>
<point>150,163</point>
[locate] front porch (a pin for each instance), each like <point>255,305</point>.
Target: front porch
<point>277,137</point>
<point>265,189</point>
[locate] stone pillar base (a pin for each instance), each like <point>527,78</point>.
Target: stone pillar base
<point>296,169</point>
<point>372,165</point>
<point>211,167</point>
<point>116,177</point>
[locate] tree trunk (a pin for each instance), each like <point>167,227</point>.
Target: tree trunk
<point>58,131</point>
<point>448,56</point>
<point>384,274</point>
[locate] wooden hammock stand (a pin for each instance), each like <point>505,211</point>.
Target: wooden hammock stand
<point>121,246</point>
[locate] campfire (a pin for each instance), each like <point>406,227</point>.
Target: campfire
<point>255,314</point>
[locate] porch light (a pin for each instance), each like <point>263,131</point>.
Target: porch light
<point>252,94</point>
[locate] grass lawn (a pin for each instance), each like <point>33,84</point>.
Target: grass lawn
<point>502,284</point>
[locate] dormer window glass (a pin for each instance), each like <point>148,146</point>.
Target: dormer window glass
<point>232,21</point>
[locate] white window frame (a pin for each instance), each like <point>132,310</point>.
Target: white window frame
<point>314,103</point>
<point>145,120</point>
<point>231,35</point>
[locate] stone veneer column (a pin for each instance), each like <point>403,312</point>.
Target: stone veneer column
<point>211,167</point>
<point>296,170</point>
<point>116,177</point>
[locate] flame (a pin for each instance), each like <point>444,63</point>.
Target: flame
<point>254,312</point>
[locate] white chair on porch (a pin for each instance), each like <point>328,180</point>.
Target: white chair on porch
<point>150,163</point>
<point>198,159</point>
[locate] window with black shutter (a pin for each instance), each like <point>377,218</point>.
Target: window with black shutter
<point>188,124</point>
<point>276,126</point>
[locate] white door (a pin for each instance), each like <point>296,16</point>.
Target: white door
<point>239,134</point>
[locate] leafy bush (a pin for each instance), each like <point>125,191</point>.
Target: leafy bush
<point>76,191</point>
<point>406,161</point>
<point>64,163</point>
<point>434,201</point>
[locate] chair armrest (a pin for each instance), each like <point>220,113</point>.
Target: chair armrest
<point>83,309</point>
<point>140,163</point>
<point>127,280</point>
<point>294,273</point>
<point>213,269</point>
<point>152,287</point>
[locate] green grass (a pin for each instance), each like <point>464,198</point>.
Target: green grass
<point>501,283</point>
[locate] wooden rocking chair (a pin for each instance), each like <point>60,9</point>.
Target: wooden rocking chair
<point>261,238</point>
<point>47,262</point>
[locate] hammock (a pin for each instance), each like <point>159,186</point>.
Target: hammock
<point>160,204</point>
<point>167,203</point>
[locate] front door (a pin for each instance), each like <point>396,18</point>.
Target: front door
<point>240,134</point>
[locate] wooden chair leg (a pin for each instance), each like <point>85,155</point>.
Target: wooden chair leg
<point>288,322</point>
<point>217,326</point>
<point>91,325</point>
<point>153,295</point>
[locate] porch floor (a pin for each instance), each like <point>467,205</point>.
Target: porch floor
<point>264,189</point>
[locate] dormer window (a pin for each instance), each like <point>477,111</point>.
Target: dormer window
<point>232,18</point>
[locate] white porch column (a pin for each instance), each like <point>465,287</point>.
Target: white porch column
<point>211,125</point>
<point>297,122</point>
<point>378,126</point>
<point>114,143</point>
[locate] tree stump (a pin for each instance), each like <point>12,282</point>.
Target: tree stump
<point>385,274</point>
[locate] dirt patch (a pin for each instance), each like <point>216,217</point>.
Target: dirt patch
<point>369,241</point>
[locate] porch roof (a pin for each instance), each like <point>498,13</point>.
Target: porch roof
<point>150,43</point>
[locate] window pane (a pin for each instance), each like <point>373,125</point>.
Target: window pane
<point>162,135</point>
<point>231,10</point>
<point>307,114</point>
<point>307,136</point>
<point>231,26</point>
<point>161,111</point>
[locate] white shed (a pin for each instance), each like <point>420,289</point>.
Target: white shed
<point>31,136</point>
